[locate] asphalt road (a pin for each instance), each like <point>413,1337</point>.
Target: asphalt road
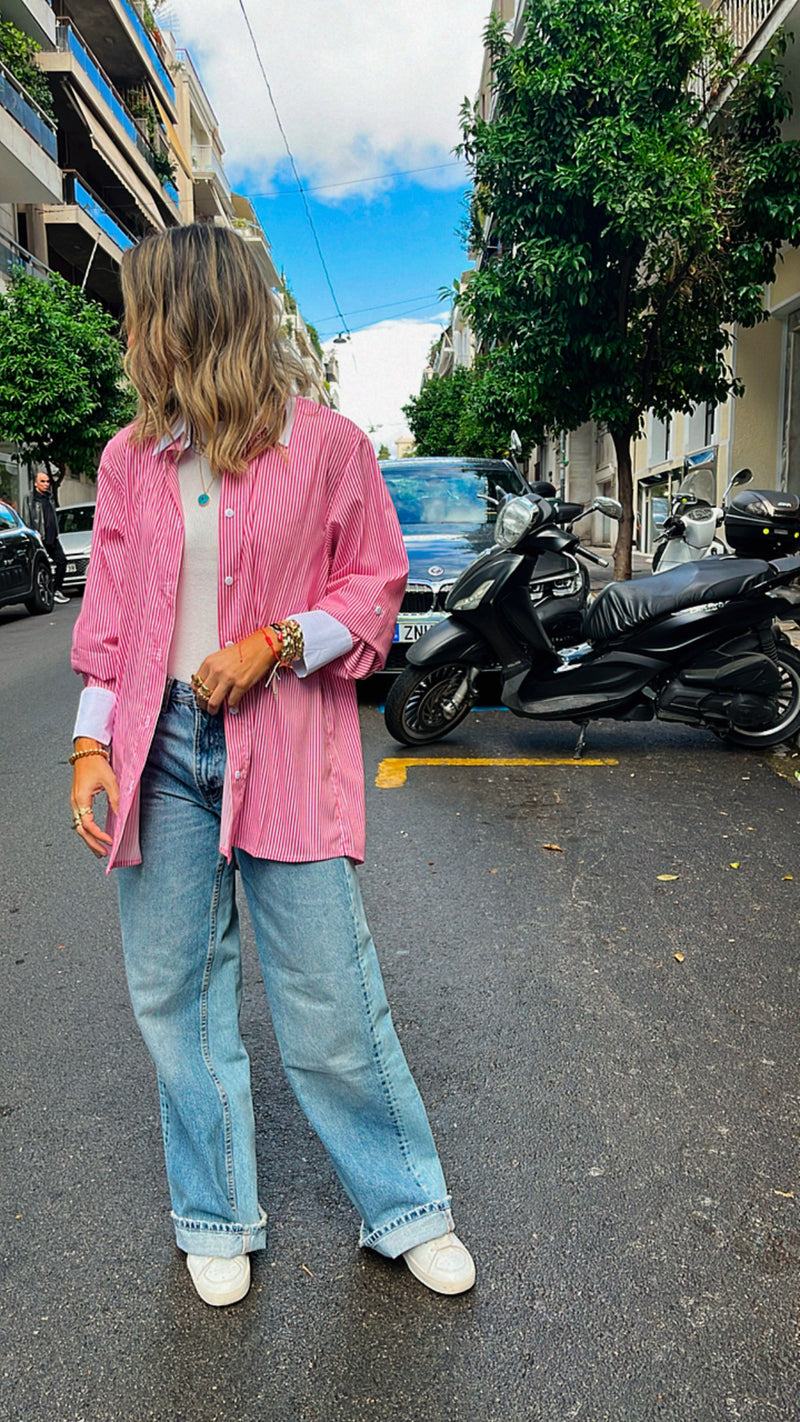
<point>619,1125</point>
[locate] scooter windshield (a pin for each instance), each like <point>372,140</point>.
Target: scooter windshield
<point>699,484</point>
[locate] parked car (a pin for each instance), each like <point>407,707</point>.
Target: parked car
<point>25,571</point>
<point>447,509</point>
<point>75,535</point>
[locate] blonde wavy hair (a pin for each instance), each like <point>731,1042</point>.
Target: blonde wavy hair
<point>206,344</point>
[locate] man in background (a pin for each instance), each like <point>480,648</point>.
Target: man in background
<point>42,518</point>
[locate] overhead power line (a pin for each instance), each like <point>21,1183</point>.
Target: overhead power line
<point>354,182</point>
<point>384,306</point>
<point>290,156</point>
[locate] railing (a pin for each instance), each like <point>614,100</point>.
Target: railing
<point>24,108</point>
<point>14,258</point>
<point>205,160</point>
<point>743,17</point>
<point>78,192</point>
<point>149,44</point>
<point>69,41</point>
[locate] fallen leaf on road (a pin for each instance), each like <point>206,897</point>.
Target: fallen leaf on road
<point>788,876</point>
<point>784,1194</point>
<point>679,958</point>
<point>306,1270</point>
<point>556,847</point>
<point>735,864</point>
<point>665,877</point>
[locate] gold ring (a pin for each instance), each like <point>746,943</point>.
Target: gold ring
<point>76,822</point>
<point>80,812</point>
<point>201,686</point>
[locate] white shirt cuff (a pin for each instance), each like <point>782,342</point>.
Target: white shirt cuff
<point>95,716</point>
<point>325,639</point>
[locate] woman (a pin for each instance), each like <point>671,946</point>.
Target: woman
<point>246,567</point>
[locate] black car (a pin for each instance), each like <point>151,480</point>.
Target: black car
<point>25,571</point>
<point>447,510</point>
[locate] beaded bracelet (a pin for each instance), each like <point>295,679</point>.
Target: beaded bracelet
<point>95,750</point>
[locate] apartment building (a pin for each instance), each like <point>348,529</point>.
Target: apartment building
<point>29,169</point>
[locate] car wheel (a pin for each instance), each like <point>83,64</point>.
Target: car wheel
<point>41,598</point>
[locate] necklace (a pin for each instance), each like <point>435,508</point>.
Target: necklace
<point>205,497</point>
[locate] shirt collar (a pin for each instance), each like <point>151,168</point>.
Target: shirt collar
<point>178,433</point>
<point>175,435</point>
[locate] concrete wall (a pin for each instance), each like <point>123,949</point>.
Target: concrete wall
<point>755,418</point>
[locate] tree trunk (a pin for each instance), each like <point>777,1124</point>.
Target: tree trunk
<point>622,551</point>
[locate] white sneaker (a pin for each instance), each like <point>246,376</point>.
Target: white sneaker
<point>219,1281</point>
<point>60,597</point>
<point>444,1264</point>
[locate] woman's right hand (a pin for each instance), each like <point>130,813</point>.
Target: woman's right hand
<point>90,775</point>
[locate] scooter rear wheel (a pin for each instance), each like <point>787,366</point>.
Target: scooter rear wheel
<point>419,705</point>
<point>787,722</point>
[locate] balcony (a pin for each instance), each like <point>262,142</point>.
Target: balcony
<point>33,17</point>
<point>28,148</point>
<point>751,22</point>
<point>208,169</point>
<point>121,130</point>
<point>86,240</point>
<point>14,258</point>
<point>151,49</point>
<point>78,194</point>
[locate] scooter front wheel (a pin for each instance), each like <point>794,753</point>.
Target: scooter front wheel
<point>424,704</point>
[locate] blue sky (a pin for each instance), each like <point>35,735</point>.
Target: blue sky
<point>388,255</point>
<point>368,95</point>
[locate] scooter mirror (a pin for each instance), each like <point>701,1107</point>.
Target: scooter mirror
<point>515,443</point>
<point>744,476</point>
<point>609,508</point>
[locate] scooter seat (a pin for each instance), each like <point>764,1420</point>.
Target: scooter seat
<point>620,607</point>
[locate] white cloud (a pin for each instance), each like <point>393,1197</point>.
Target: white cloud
<point>380,367</point>
<point>362,89</point>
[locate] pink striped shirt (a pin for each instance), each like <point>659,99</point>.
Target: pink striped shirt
<point>305,529</point>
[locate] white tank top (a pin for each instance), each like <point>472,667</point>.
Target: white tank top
<point>196,632</point>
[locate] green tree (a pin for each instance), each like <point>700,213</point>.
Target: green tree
<point>383,452</point>
<point>470,413</point>
<point>62,389</point>
<point>625,226</point>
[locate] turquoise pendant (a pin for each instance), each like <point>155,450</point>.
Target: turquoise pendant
<point>202,499</point>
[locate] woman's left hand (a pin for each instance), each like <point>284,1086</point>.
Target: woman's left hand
<point>230,672</point>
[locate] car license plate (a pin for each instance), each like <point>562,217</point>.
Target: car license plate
<point>411,631</point>
<point>72,567</point>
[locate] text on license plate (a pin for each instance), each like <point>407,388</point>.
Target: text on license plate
<point>410,631</point>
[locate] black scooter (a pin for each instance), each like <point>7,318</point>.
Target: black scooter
<point>698,645</point>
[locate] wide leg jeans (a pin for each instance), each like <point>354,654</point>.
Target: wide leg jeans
<point>334,1030</point>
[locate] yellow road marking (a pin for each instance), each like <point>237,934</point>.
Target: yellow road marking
<point>393,772</point>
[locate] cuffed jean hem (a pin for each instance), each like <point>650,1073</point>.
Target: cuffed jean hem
<point>414,1227</point>
<point>223,1241</point>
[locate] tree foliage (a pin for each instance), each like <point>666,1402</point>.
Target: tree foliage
<point>623,230</point>
<point>17,51</point>
<point>469,413</point>
<point>62,390</point>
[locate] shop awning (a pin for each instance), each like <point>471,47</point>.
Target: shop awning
<point>104,145</point>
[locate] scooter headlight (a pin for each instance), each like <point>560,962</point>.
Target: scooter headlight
<point>514,520</point>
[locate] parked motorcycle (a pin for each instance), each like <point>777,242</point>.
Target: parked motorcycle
<point>697,645</point>
<point>690,531</point>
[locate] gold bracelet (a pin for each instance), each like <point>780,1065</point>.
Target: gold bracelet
<point>291,642</point>
<point>96,750</point>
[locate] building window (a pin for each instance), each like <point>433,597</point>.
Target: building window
<point>660,440</point>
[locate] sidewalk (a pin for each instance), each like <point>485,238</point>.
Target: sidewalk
<point>598,577</point>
